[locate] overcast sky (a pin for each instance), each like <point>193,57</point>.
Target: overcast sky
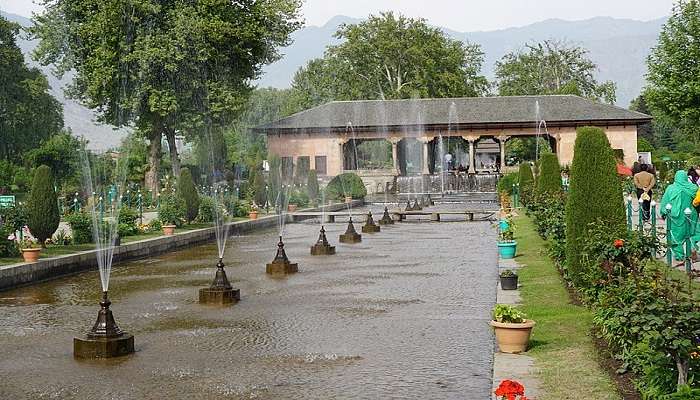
<point>460,15</point>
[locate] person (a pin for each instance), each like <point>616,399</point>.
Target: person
<point>644,182</point>
<point>565,180</point>
<point>693,176</point>
<point>680,195</point>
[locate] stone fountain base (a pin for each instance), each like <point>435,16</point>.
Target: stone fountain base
<point>386,218</point>
<point>278,268</point>
<point>103,347</point>
<point>371,228</point>
<point>322,250</point>
<point>219,296</point>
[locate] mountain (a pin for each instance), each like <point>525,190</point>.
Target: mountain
<point>80,120</point>
<point>618,46</point>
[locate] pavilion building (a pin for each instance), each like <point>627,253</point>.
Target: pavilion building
<point>418,133</point>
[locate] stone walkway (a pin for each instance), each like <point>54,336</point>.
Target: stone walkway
<point>518,367</point>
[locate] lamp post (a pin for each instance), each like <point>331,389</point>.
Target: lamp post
<point>653,223</point>
<point>640,220</point>
<point>669,261</point>
<point>629,213</point>
<point>688,242</point>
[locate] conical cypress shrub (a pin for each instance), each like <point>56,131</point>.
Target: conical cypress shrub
<point>312,186</point>
<point>527,182</point>
<point>188,192</point>
<point>549,180</point>
<point>42,207</point>
<point>595,193</point>
<point>260,187</point>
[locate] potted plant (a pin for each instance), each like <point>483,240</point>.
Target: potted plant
<point>512,328</point>
<point>171,212</point>
<point>253,213</point>
<point>507,244</point>
<point>30,250</point>
<point>509,280</point>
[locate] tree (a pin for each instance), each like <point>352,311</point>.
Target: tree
<point>526,181</point>
<point>312,186</point>
<point>42,206</point>
<point>594,193</point>
<point>390,57</point>
<point>551,67</point>
<point>28,113</point>
<point>674,73</point>
<point>60,153</point>
<point>163,67</point>
<point>549,179</point>
<point>188,192</point>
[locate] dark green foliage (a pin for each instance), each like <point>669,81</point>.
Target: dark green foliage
<point>128,222</point>
<point>206,209</point>
<point>81,227</point>
<point>312,187</point>
<point>14,217</point>
<point>260,187</point>
<point>275,181</point>
<point>42,206</point>
<point>527,183</point>
<point>505,184</point>
<point>549,179</point>
<point>299,198</point>
<point>60,153</point>
<point>171,210</point>
<point>188,192</point>
<point>8,247</point>
<point>347,184</point>
<point>594,192</point>
<point>644,145</point>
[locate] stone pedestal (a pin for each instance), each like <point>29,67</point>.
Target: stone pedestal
<point>350,235</point>
<point>416,206</point>
<point>409,207</point>
<point>220,291</point>
<point>386,218</point>
<point>105,339</point>
<point>322,247</point>
<point>370,226</point>
<point>281,264</point>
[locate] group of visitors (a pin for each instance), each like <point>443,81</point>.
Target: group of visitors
<point>683,194</point>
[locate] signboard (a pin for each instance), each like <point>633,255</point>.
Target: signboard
<point>7,201</point>
<point>644,157</point>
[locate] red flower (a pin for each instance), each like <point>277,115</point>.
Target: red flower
<point>510,390</point>
<point>619,243</point>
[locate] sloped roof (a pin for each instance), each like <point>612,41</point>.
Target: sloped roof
<point>464,112</point>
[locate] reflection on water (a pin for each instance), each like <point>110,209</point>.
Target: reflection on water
<point>401,315</point>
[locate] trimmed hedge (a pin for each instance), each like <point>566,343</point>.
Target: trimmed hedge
<point>81,227</point>
<point>527,182</point>
<point>347,184</point>
<point>549,180</point>
<point>312,186</point>
<point>594,193</point>
<point>189,194</point>
<point>42,206</point>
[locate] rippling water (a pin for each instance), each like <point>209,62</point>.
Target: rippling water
<point>401,315</point>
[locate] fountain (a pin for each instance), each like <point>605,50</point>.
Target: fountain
<point>370,226</point>
<point>220,291</point>
<point>409,207</point>
<point>322,247</point>
<point>281,264</point>
<point>386,218</point>
<point>350,235</point>
<point>416,206</point>
<point>105,339</point>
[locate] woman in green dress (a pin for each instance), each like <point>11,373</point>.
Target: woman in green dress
<point>679,195</point>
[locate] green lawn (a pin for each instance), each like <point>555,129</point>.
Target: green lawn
<point>561,342</point>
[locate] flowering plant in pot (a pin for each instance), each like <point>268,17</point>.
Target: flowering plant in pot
<point>510,390</point>
<point>512,328</point>
<point>506,243</point>
<point>253,213</point>
<point>29,248</point>
<point>509,280</point>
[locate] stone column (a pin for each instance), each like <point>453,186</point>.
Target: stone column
<point>395,154</point>
<point>471,140</point>
<point>341,142</point>
<point>502,145</point>
<point>426,158</point>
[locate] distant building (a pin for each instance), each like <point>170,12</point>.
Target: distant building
<point>326,137</point>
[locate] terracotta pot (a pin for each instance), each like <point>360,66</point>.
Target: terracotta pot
<point>291,207</point>
<point>348,199</point>
<point>30,255</point>
<point>513,338</point>
<point>169,230</point>
<point>253,215</point>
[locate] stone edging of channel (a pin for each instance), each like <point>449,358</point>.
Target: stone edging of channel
<point>15,275</point>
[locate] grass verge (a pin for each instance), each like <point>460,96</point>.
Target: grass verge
<point>561,343</point>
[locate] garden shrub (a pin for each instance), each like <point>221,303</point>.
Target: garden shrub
<point>128,222</point>
<point>506,182</point>
<point>8,246</point>
<point>14,217</point>
<point>346,184</point>
<point>300,198</point>
<point>206,209</point>
<point>81,227</point>
<point>527,182</point>
<point>312,187</point>
<point>260,187</point>
<point>549,179</point>
<point>188,192</point>
<point>594,192</point>
<point>171,210</point>
<point>42,207</point>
